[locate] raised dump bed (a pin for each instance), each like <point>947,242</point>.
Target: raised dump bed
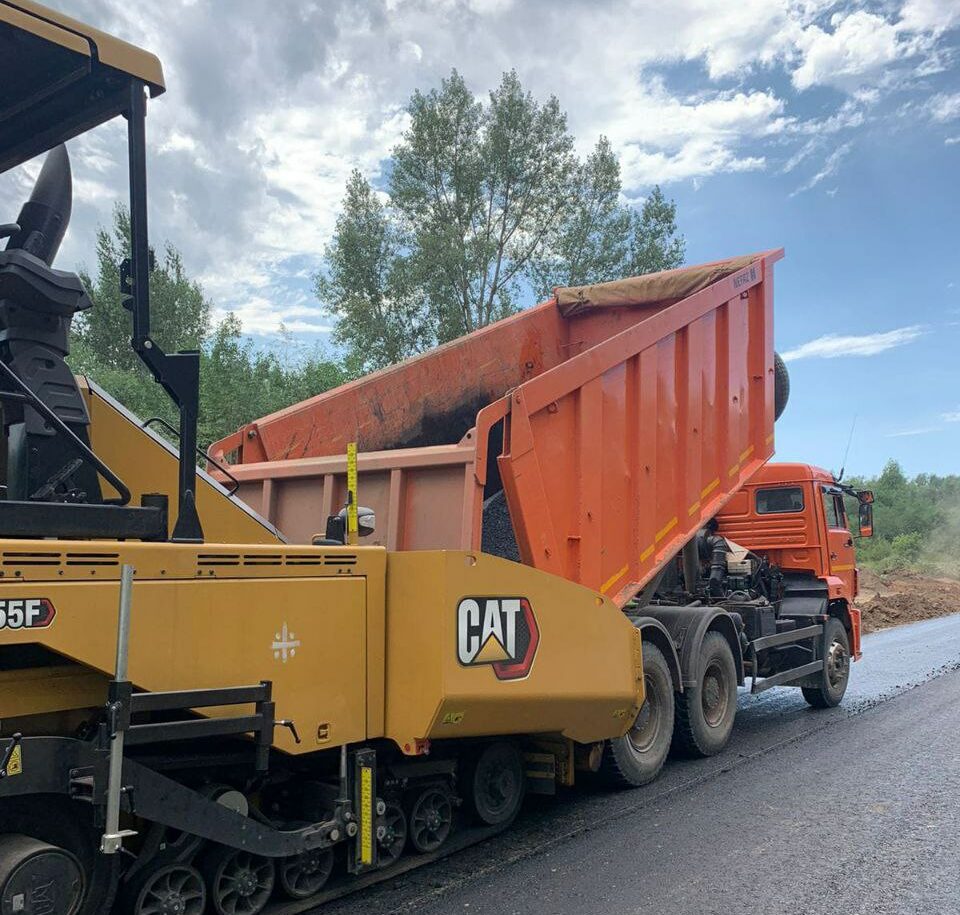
<point>612,420</point>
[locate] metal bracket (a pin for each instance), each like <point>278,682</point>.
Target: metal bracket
<point>119,716</point>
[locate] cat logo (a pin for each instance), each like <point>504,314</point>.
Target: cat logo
<point>499,631</point>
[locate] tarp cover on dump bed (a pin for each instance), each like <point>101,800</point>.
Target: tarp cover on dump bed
<point>434,398</point>
<point>662,288</point>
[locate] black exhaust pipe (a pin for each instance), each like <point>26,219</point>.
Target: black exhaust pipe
<point>45,216</point>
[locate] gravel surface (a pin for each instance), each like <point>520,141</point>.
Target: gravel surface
<point>498,538</point>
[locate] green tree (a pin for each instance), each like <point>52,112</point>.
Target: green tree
<point>601,238</point>
<point>654,240</point>
<point>179,310</point>
<point>916,522</point>
<point>484,201</point>
<point>379,309</point>
<point>238,382</point>
<point>479,189</point>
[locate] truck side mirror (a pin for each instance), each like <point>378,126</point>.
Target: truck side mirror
<point>866,519</point>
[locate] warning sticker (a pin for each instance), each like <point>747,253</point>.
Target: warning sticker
<point>15,766</point>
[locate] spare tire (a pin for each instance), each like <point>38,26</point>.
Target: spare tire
<point>781,386</point>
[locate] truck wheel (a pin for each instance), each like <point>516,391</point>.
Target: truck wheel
<point>705,714</point>
<point>836,670</point>
<point>495,783</point>
<point>637,758</point>
<point>67,825</point>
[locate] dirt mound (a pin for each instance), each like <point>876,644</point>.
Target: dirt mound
<point>905,597</point>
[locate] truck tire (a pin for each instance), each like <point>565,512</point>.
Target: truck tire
<point>637,758</point>
<point>781,385</point>
<point>836,671</point>
<point>705,714</point>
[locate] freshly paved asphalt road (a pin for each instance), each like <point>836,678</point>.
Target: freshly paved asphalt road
<point>853,810</point>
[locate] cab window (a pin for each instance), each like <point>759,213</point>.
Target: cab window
<point>833,509</point>
<point>781,500</point>
<point>830,510</point>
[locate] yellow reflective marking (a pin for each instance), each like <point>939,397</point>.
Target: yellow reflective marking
<point>613,578</point>
<point>746,453</point>
<point>15,766</point>
<point>733,471</point>
<point>844,568</point>
<point>769,438</point>
<point>647,552</point>
<point>693,509</point>
<point>709,488</point>
<point>669,526</point>
<point>366,815</point>
<point>353,529</point>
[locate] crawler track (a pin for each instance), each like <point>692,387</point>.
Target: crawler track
<point>344,884</point>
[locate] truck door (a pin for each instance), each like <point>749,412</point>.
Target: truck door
<point>842,559</point>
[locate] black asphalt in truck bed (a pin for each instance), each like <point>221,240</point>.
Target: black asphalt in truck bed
<point>854,810</point>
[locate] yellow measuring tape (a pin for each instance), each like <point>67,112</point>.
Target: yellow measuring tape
<point>366,815</point>
<point>353,531</point>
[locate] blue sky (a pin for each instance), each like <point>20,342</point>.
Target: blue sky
<point>873,249</point>
<point>829,128</point>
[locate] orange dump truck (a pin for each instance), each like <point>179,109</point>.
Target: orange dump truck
<point>616,435</point>
<point>239,710</point>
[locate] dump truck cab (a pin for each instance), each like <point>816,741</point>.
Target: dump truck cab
<point>795,515</point>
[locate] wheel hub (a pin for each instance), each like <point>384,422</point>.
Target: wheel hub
<point>838,663</point>
<point>172,905</point>
<point>37,877</point>
<point>246,883</point>
<point>644,731</point>
<point>714,697</point>
<point>430,820</point>
<point>305,874</point>
<point>171,890</point>
<point>240,882</point>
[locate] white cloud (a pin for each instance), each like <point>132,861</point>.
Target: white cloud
<point>923,430</point>
<point>944,107</point>
<point>952,417</point>
<point>265,118</point>
<point>833,346</point>
<point>858,49</point>
<point>828,170</point>
<point>934,16</point>
<point>952,141</point>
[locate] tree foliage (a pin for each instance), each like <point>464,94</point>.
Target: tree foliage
<point>485,203</point>
<point>916,522</point>
<point>379,308</point>
<point>600,238</point>
<point>238,382</point>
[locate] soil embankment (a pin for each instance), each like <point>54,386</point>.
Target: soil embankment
<point>894,598</point>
